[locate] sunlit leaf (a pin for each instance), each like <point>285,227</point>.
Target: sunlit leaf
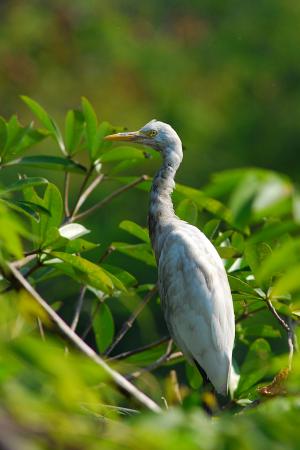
<point>141,252</point>
<point>45,119</point>
<point>88,272</point>
<point>135,230</point>
<point>74,126</point>
<point>91,122</point>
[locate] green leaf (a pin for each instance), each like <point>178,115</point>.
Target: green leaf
<point>99,144</point>
<point>50,163</point>
<point>10,233</point>
<point>79,245</point>
<point>74,126</point>
<point>125,277</point>
<point>256,254</point>
<point>238,285</point>
<point>91,123</point>
<point>255,366</point>
<point>142,252</point>
<point>104,327</point>
<point>211,227</point>
<point>194,377</point>
<point>288,283</point>
<point>203,201</point>
<point>25,182</point>
<point>88,272</point>
<point>122,153</point>
<point>51,201</point>
<point>30,209</point>
<point>187,210</point>
<point>45,119</point>
<point>288,255</point>
<point>228,252</point>
<point>273,231</point>
<point>135,229</point>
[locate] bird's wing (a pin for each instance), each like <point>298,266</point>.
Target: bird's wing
<point>197,301</point>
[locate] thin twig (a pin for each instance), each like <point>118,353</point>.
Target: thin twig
<point>247,314</point>
<point>128,324</point>
<point>82,187</point>
<point>22,262</point>
<point>83,197</point>
<point>78,308</point>
<point>88,351</point>
<point>175,386</point>
<point>107,199</point>
<point>140,349</point>
<point>162,359</point>
<point>287,328</point>
<point>66,193</point>
<point>89,326</point>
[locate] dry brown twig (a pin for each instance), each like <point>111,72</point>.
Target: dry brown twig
<point>88,351</point>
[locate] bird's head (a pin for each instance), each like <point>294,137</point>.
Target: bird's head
<point>154,134</point>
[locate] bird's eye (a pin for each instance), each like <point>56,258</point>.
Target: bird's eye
<point>152,133</point>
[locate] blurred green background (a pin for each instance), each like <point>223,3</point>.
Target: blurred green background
<point>224,74</point>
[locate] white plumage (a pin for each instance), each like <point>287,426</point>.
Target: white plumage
<point>193,285</point>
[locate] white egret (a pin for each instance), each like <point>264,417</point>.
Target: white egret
<point>193,285</point>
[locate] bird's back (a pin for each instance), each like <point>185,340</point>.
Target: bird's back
<point>196,301</point>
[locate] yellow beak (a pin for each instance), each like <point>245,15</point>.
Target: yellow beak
<point>129,136</point>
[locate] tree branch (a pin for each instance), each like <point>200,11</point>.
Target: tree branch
<point>78,308</point>
<point>107,199</point>
<point>83,197</point>
<point>140,349</point>
<point>155,364</point>
<point>88,351</point>
<point>287,328</point>
<point>66,193</point>
<point>128,324</point>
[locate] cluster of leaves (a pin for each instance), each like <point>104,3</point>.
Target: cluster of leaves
<point>252,217</point>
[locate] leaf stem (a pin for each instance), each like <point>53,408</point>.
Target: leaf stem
<point>83,197</point>
<point>128,324</point>
<point>110,197</point>
<point>287,328</point>
<point>140,349</point>
<point>66,193</point>
<point>162,359</point>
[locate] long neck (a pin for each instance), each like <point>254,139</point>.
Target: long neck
<point>161,212</point>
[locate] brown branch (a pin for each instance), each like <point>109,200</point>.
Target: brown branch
<point>140,349</point>
<point>287,328</point>
<point>78,308</point>
<point>81,189</point>
<point>128,324</point>
<point>110,197</point>
<point>247,314</point>
<point>66,193</point>
<point>88,351</point>
<point>83,197</point>
<point>155,364</point>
